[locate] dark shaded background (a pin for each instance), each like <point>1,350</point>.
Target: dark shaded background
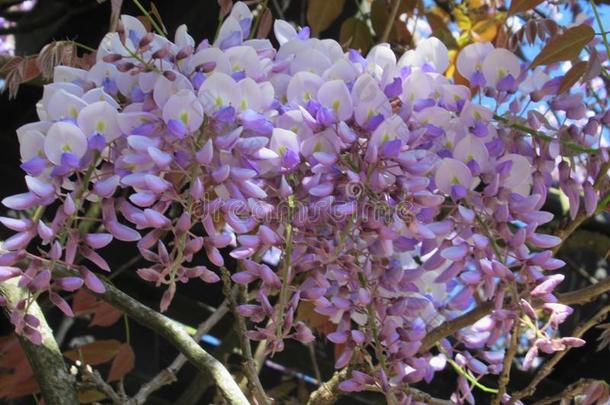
<point>87,21</point>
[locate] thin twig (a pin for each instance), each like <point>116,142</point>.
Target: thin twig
<point>240,325</point>
<point>547,368</point>
<point>168,375</point>
<point>540,135</point>
<point>390,23</point>
<point>581,296</point>
<point>94,377</point>
<point>570,392</point>
<point>175,335</point>
<point>511,351</point>
<point>426,398</point>
<point>328,393</point>
<point>314,361</point>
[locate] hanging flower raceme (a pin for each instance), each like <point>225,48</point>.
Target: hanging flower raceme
<point>374,190</point>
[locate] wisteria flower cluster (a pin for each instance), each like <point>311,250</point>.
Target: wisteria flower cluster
<point>369,188</point>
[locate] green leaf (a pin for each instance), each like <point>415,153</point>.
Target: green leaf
<point>461,19</point>
<point>518,6</point>
<point>321,13</point>
<point>356,34</point>
<point>565,46</point>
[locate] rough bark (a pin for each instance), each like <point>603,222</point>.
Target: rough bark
<point>178,337</point>
<point>56,384</point>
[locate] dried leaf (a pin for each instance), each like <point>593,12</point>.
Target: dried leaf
<point>604,338</point>
<point>518,6</point>
<point>95,353</point>
<point>572,76</point>
<point>356,34</point>
<point>321,14</point>
<point>264,28</point>
<point>53,54</point>
<point>155,12</point>
<point>565,46</point>
<point>122,364</point>
<point>145,21</point>
<point>19,70</point>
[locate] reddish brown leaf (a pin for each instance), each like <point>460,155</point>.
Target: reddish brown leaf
<point>18,380</point>
<point>594,67</point>
<point>572,76</point>
<point>321,13</point>
<point>264,28</point>
<point>105,315</point>
<point>518,6</point>
<point>83,303</point>
<point>314,320</point>
<point>380,13</point>
<point>531,31</point>
<point>122,364</point>
<point>95,353</point>
<point>11,388</point>
<point>356,34</point>
<point>440,29</point>
<point>11,64</point>
<point>145,21</point>
<point>565,46</point>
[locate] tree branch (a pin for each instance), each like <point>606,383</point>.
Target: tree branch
<point>95,379</point>
<point>570,392</point>
<point>426,398</point>
<point>165,327</point>
<point>240,324</point>
<point>578,297</point>
<point>168,375</point>
<point>328,393</point>
<point>509,356</point>
<point>55,382</point>
<point>547,368</point>
<point>586,294</point>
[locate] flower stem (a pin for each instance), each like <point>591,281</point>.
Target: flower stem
<point>537,134</point>
<point>601,26</point>
<point>285,269</point>
<point>150,18</point>
<point>471,378</point>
